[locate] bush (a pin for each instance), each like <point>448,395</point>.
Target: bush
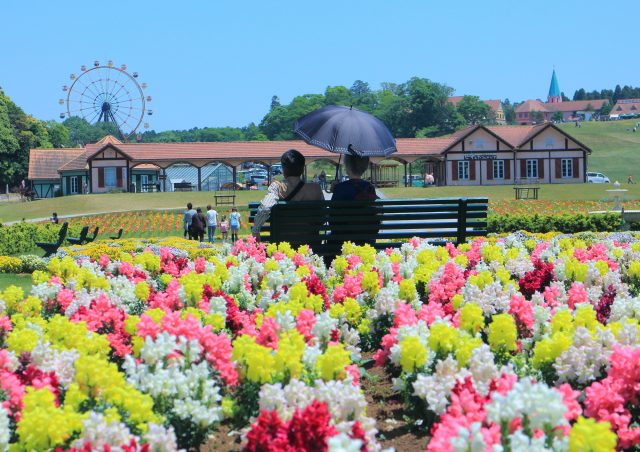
<point>31,263</point>
<point>560,223</point>
<point>10,264</point>
<point>22,237</point>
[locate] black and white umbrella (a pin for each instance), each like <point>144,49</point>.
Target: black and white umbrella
<point>346,130</point>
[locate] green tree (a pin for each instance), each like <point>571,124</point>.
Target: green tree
<point>278,123</point>
<point>58,134</point>
<point>509,111</point>
<point>474,111</point>
<point>537,117</point>
<point>557,116</point>
<point>9,146</point>
<point>338,95</point>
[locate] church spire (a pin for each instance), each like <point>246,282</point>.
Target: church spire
<point>554,90</point>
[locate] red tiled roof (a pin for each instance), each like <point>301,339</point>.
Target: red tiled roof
<point>44,163</point>
<point>531,105</point>
<point>514,135</point>
<point>626,107</point>
<point>78,163</point>
<point>109,139</point>
<point>567,106</point>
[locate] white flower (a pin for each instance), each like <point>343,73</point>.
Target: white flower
<point>5,433</point>
<point>343,443</point>
<point>435,389</point>
<point>469,440</point>
<point>102,435</point>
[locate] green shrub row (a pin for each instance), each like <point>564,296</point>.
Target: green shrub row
<point>561,223</point>
<point>22,237</point>
<point>22,264</point>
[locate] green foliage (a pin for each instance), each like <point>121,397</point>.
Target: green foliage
<point>31,263</point>
<point>557,116</point>
<point>10,264</point>
<point>560,223</point>
<point>474,111</point>
<point>81,132</point>
<point>22,237</point>
<point>278,123</point>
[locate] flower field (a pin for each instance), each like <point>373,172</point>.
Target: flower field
<point>160,223</point>
<point>515,343</point>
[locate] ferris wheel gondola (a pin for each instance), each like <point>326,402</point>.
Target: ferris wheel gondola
<point>106,93</point>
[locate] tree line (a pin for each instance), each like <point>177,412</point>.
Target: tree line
<point>418,107</point>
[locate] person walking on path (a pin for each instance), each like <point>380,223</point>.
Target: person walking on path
<point>235,221</point>
<point>186,220</point>
<point>630,179</point>
<point>224,228</point>
<point>292,188</point>
<point>198,224</point>
<point>212,222</point>
<point>54,218</point>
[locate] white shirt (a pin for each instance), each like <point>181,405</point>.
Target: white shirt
<point>212,218</point>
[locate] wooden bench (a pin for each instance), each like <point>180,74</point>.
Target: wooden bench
<point>383,223</point>
<point>51,247</point>
<point>95,234</point>
<point>117,236</point>
<point>225,199</point>
<point>81,239</point>
<point>182,186</point>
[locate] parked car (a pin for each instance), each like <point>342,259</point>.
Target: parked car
<point>597,178</point>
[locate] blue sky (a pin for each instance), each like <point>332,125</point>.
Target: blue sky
<point>217,63</point>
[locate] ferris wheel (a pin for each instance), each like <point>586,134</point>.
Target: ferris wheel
<point>105,93</point>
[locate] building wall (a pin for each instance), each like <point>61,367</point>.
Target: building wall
<point>546,149</point>
<point>81,178</point>
<point>118,165</point>
<point>45,188</point>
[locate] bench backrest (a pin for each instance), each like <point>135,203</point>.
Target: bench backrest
<point>95,233</point>
<point>62,234</point>
<point>383,223</point>
<point>83,233</point>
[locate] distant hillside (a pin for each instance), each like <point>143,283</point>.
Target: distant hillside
<point>616,148</point>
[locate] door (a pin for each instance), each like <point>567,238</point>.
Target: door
<point>144,181</point>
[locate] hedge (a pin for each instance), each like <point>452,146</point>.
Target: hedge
<point>561,223</point>
<point>22,237</point>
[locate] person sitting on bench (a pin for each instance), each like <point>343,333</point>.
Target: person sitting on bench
<point>357,189</point>
<point>292,188</point>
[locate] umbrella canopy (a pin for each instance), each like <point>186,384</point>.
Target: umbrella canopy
<point>346,130</point>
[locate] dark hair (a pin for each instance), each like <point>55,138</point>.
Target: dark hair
<point>356,164</point>
<point>55,214</point>
<point>199,210</point>
<point>189,206</point>
<point>209,207</point>
<point>234,209</point>
<point>292,163</point>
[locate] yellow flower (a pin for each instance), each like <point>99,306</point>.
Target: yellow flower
<point>443,338</point>
<point>370,283</point>
<point>43,426</point>
<point>466,346</point>
<point>547,350</point>
<point>407,290</point>
<point>562,322</point>
<point>288,358</point>
<point>352,309</point>
<point>502,333</point>
<point>471,318</point>
<point>586,317</point>
<point>413,355</point>
<point>257,361</point>
<point>331,364</point>
<point>587,435</point>
<point>142,291</point>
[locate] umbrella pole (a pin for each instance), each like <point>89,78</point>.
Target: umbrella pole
<point>337,174</point>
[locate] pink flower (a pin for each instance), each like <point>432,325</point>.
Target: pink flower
<point>304,323</point>
<point>404,315</point>
<point>577,294</point>
<point>353,370</point>
<point>430,312</point>
<point>570,399</point>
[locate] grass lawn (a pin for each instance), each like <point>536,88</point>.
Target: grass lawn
<point>616,148</point>
<point>117,202</point>
<point>8,279</point>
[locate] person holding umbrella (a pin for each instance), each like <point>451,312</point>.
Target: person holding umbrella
<point>355,188</point>
<point>292,188</point>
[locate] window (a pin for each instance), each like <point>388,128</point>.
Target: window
<point>549,142</point>
<point>144,181</point>
<point>479,143</point>
<point>567,168</point>
<point>110,177</point>
<point>463,170</point>
<point>498,169</point>
<point>74,184</point>
<point>532,169</point>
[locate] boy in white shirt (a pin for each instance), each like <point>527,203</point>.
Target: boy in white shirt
<point>212,222</point>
